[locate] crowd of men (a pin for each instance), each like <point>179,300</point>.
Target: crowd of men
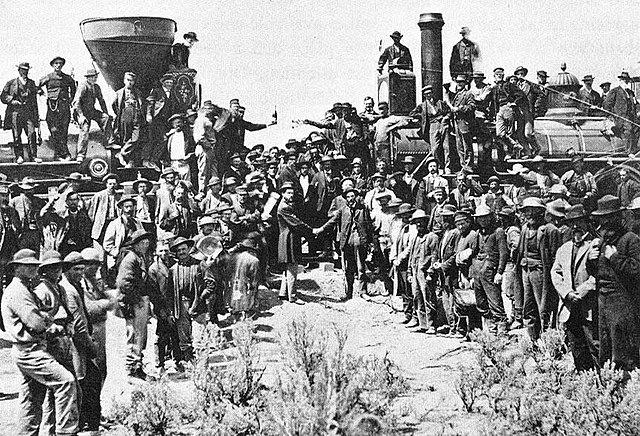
<point>527,249</point>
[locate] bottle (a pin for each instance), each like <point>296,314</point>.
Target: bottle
<point>274,117</point>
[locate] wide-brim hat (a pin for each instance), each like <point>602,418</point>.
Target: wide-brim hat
<point>27,184</point>
<point>356,161</point>
<point>286,186</point>
<point>575,212</point>
<point>206,220</point>
<point>588,78</point>
<point>405,209</point>
<point>557,208</point>
<point>431,159</point>
<point>58,58</point>
<point>175,117</point>
<point>214,181</point>
<point>125,199</point>
<point>24,66</point>
<point>493,179</point>
<point>210,246</point>
<point>395,202</point>
<point>378,176</point>
<point>91,255</point>
<point>137,182</point>
<point>52,258</point>
<point>77,177</point>
<point>603,84</point>
<point>137,236</point>
<point>478,75</point>
<point>24,256</point>
<point>482,210</point>
<point>448,210</point>
<point>346,191</point>
<point>608,205</point>
<point>396,34</point>
<point>507,211</point>
<point>72,259</point>
<point>168,171</point>
<point>542,73</point>
<point>461,78</point>
<point>326,159</point>
<point>91,72</point>
<point>180,241</point>
<point>419,215</point>
<point>520,68</point>
<point>533,202</point>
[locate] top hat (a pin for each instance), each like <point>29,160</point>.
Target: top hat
<point>608,205</point>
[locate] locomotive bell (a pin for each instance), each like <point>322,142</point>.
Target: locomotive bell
<point>568,85</point>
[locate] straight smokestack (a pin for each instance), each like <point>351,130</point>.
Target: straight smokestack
<point>431,48</point>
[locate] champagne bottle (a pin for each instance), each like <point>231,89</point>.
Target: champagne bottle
<point>274,117</point>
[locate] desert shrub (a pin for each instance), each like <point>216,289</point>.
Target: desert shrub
<point>228,384</point>
<point>532,389</point>
<point>321,388</point>
<point>151,410</point>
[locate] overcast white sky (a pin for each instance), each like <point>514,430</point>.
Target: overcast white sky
<point>304,55</point>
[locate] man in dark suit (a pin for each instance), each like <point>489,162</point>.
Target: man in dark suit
<point>434,126</point>
<point>19,95</point>
<point>326,186</point>
<point>463,55</point>
<point>356,237</point>
<point>397,55</point>
<point>68,230</point>
<point>60,90</point>
<point>180,51</point>
<point>161,105</point>
<point>463,109</point>
<point>622,102</point>
<point>84,111</point>
<point>128,108</point>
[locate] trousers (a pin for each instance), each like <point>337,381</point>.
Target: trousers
<point>464,144</point>
<point>582,337</point>
<point>58,122</point>
<point>619,330</point>
<point>104,122</point>
<point>136,328</point>
<point>41,372</point>
<point>21,123</point>
<point>207,167</point>
<point>288,282</point>
<point>355,268</point>
<point>424,299</point>
<point>489,295</point>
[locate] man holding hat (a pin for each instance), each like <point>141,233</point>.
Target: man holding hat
<point>622,101</point>
<point>161,105</point>
<point>28,326</point>
<point>133,299</point>
<point>60,91</point>
<point>614,260</point>
<point>434,127</point>
<point>84,111</point>
<point>19,95</point>
<point>397,55</point>
<point>128,108</point>
<point>578,308</point>
<point>465,56</point>
<point>591,100</point>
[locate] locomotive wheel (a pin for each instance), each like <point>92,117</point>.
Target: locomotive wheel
<point>98,168</point>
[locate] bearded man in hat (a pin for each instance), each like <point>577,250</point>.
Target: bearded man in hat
<point>161,105</point>
<point>489,266</point>
<point>495,198</point>
<point>28,207</point>
<point>434,126</point>
<point>614,260</point>
<point>19,95</point>
<point>580,183</point>
<point>578,308</point>
<point>84,111</point>
<point>128,108</point>
<point>622,101</point>
<point>103,208</point>
<point>402,235</point>
<point>133,299</point>
<point>536,254</point>
<point>370,199</point>
<point>28,326</point>
<point>628,188</point>
<point>180,147</point>
<point>68,230</point>
<point>465,56</point>
<point>119,231</point>
<point>60,91</point>
<point>426,187</point>
<point>397,55</point>
<point>178,216</point>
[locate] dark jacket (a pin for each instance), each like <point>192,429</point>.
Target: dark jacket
<point>465,116</point>
<point>350,219</point>
<point>420,112</point>
<point>326,188</point>
<point>493,252</point>
<point>621,102</point>
<point>131,280</point>
<point>63,232</point>
<point>621,272</point>
<point>291,228</point>
<point>24,94</point>
<point>159,105</point>
<point>60,86</point>
<point>463,54</point>
<point>393,52</point>
<point>84,102</point>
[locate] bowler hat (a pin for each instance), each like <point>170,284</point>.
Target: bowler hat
<point>130,74</point>
<point>180,241</point>
<point>493,179</point>
<point>356,161</point>
<point>405,209</point>
<point>519,69</point>
<point>496,69</point>
<point>534,202</point>
<point>350,189</point>
<point>575,212</point>
<point>607,205</point>
<point>419,215</point>
<point>603,84</point>
<point>51,258</point>
<point>24,256</point>
<point>588,78</point>
<point>326,158</point>
<point>396,34</point>
<point>556,208</point>
<point>77,177</point>
<point>542,73</point>
<point>111,176</point>
<point>518,168</point>
<point>58,58</point>
<point>91,72</point>
<point>137,236</point>
<point>24,66</point>
<point>190,35</point>
<point>286,186</point>
<point>448,210</point>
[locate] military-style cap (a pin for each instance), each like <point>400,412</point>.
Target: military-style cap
<point>427,88</point>
<point>496,69</point>
<point>166,77</point>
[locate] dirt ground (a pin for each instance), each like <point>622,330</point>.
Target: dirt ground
<point>430,363</point>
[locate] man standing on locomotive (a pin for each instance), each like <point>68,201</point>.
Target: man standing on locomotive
<point>60,90</point>
<point>128,108</point>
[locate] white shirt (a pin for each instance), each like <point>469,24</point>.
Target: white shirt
<point>176,146</point>
<point>304,182</point>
